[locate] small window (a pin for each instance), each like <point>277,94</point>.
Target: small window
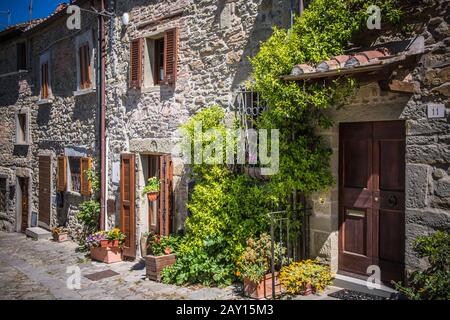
<point>21,56</point>
<point>3,194</point>
<point>44,80</point>
<point>74,174</point>
<point>85,66</point>
<point>21,128</point>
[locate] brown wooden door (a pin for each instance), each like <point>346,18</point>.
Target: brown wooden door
<point>23,184</point>
<point>166,195</point>
<point>127,204</point>
<point>371,193</point>
<point>44,190</point>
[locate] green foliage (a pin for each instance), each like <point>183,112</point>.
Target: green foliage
<point>205,263</point>
<point>162,245</point>
<point>298,276</point>
<point>323,31</point>
<point>434,282</point>
<point>255,262</point>
<point>89,215</point>
<point>225,210</point>
<point>93,179</point>
<point>152,185</point>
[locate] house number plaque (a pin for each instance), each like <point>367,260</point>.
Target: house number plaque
<point>436,110</point>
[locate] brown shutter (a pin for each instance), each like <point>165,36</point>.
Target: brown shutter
<point>127,203</point>
<point>45,189</point>
<point>62,173</point>
<point>87,66</point>
<point>170,55</point>
<point>136,63</point>
<point>44,80</point>
<point>81,57</point>
<point>85,184</point>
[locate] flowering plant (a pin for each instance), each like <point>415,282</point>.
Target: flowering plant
<point>298,276</point>
<point>115,234</point>
<point>95,239</point>
<point>59,230</point>
<point>152,185</point>
<point>162,245</point>
<point>255,262</point>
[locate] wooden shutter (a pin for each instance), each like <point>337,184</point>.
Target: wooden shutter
<point>136,63</point>
<point>45,189</point>
<point>127,203</point>
<point>85,184</point>
<point>166,195</point>
<point>44,80</point>
<point>62,173</point>
<point>170,55</point>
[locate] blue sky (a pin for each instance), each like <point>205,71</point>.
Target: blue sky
<point>20,13</point>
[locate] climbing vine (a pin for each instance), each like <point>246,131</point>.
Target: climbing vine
<point>324,30</point>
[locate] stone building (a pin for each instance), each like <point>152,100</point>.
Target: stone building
<point>48,118</point>
<point>175,57</point>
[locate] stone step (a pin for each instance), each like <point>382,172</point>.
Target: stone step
<point>38,233</point>
<point>360,285</point>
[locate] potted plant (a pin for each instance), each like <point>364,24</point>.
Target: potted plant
<point>152,188</point>
<point>106,246</point>
<point>60,234</point>
<point>305,277</point>
<point>162,254</point>
<point>255,268</point>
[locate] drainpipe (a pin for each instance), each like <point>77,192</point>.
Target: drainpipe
<point>102,113</point>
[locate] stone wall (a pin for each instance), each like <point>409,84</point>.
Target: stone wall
<point>67,120</point>
<point>427,142</point>
<point>215,38</point>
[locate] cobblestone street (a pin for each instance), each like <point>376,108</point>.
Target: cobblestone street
<point>37,270</point>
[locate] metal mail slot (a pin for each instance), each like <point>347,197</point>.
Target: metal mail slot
<point>356,213</point>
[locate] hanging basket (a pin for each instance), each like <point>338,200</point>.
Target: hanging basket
<point>152,196</point>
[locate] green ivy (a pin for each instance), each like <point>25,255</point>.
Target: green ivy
<point>297,109</point>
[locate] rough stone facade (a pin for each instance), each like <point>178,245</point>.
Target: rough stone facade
<point>65,122</point>
<point>427,197</point>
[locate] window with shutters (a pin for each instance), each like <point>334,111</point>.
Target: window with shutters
<point>84,66</point>
<point>85,184</point>
<point>3,190</point>
<point>22,128</point>
<point>21,56</point>
<point>160,57</point>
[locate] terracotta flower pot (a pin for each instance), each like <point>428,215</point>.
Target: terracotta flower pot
<point>155,264</point>
<point>106,254</point>
<point>309,290</point>
<point>152,196</point>
<point>109,244</point>
<point>263,289</point>
<point>61,237</point>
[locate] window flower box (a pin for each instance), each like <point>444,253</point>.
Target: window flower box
<point>263,289</point>
<point>155,264</point>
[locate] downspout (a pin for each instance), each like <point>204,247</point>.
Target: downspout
<point>102,104</point>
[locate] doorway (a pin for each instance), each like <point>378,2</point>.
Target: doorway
<point>372,198</point>
<point>22,203</point>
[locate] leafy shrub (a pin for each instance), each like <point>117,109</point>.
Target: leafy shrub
<point>162,245</point>
<point>89,215</point>
<point>434,282</point>
<point>297,276</point>
<point>255,262</point>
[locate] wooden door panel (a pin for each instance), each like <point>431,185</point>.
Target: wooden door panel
<point>23,184</point>
<point>127,204</point>
<point>371,197</point>
<point>355,218</point>
<point>45,189</point>
<point>166,194</point>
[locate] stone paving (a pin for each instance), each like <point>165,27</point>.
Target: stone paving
<point>38,270</point>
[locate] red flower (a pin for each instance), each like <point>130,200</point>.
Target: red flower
<point>167,250</point>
